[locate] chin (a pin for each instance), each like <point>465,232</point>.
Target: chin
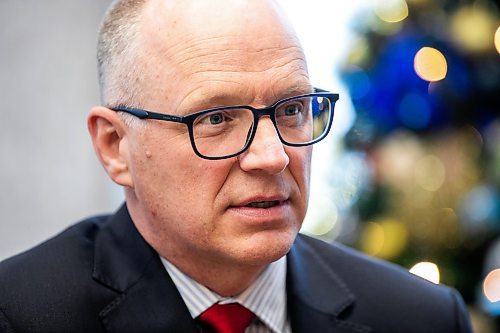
<point>267,247</point>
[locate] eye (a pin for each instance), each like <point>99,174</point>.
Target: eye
<point>216,118</point>
<point>292,109</point>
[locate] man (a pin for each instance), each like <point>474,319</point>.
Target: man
<point>208,120</point>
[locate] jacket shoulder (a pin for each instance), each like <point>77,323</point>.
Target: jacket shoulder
<point>387,296</point>
<point>358,268</point>
<point>47,279</point>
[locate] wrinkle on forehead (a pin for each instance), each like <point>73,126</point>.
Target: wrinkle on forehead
<point>213,59</point>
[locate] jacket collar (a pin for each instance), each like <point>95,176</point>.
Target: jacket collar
<point>146,296</point>
<point>318,299</point>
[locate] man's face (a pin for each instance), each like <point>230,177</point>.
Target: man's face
<point>244,210</point>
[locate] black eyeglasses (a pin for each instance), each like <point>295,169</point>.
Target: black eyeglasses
<point>228,131</point>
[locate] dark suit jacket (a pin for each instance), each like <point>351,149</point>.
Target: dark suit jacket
<point>101,276</point>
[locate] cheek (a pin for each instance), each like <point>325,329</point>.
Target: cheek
<point>300,167</point>
<point>176,182</point>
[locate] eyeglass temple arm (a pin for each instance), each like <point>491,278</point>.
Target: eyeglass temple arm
<point>143,114</point>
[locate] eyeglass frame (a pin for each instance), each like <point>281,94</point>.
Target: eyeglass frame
<point>270,111</point>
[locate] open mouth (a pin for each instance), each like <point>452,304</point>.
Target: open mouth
<point>263,204</point>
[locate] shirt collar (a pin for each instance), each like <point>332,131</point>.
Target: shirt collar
<point>266,296</point>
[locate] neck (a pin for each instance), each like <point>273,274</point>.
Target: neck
<point>226,281</point>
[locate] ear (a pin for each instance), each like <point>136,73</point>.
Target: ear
<point>108,133</point>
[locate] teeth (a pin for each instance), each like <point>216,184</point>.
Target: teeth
<point>263,204</point>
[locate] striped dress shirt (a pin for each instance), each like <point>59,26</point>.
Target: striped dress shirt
<point>266,297</point>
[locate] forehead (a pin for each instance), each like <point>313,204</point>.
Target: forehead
<point>178,18</point>
<point>206,46</point>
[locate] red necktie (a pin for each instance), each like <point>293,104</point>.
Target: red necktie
<point>227,318</point>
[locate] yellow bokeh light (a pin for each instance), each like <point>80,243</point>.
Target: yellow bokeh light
<point>472,27</point>
<point>427,270</point>
<point>391,11</point>
<point>372,239</point>
<point>430,64</point>
<point>360,52</point>
<point>430,173</point>
<point>491,286</point>
<point>497,39</point>
<point>384,239</point>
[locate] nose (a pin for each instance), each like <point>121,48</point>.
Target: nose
<point>266,153</point>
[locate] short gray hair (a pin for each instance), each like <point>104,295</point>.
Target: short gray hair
<point>118,53</point>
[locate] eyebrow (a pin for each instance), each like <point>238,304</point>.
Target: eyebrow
<point>296,90</point>
<point>225,99</point>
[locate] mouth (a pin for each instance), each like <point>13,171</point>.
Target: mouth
<point>263,204</point>
<point>263,209</point>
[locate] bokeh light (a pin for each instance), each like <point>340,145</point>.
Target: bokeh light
<point>497,39</point>
<point>430,173</point>
<point>430,64</point>
<point>472,27</point>
<point>325,219</point>
<point>373,238</point>
<point>384,239</point>
<point>427,270</point>
<point>480,204</point>
<point>360,52</point>
<point>358,81</point>
<point>414,110</point>
<point>391,11</point>
<point>491,286</point>
<point>396,155</point>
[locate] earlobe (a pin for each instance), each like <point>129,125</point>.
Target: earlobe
<point>109,139</point>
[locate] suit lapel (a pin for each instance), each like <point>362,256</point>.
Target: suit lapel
<point>147,299</point>
<point>318,300</point>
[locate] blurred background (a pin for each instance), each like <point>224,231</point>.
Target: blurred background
<point>410,174</point>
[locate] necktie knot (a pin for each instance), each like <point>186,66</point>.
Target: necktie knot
<point>227,318</point>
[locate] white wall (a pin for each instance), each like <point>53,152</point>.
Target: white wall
<point>49,177</point>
